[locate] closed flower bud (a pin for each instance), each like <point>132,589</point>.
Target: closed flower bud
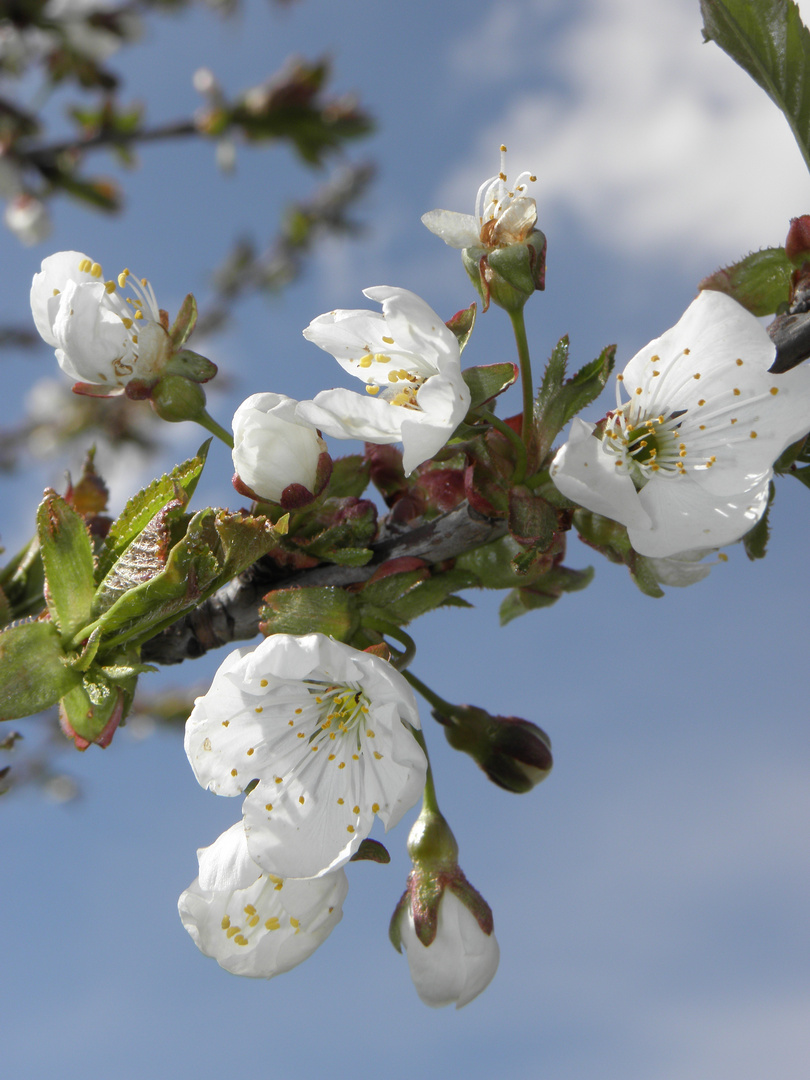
<point>278,458</point>
<point>514,753</point>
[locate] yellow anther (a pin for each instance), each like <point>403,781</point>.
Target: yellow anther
<point>370,735</point>
<point>240,939</point>
<point>301,799</point>
<point>365,361</point>
<point>233,772</point>
<point>697,375</point>
<point>736,392</point>
<point>734,421</point>
<point>377,756</point>
<point>341,764</point>
<point>279,780</point>
<point>127,322</point>
<point>702,401</point>
<point>774,389</point>
<point>109,286</point>
<point>298,712</point>
<point>272,923</point>
<point>276,879</point>
<point>371,389</point>
<point>393,376</point>
<point>254,921</point>
<point>702,427</point>
<point>355,809</point>
<point>753,434</point>
<point>340,802</point>
<point>375,808</point>
<point>249,909</point>
<point>686,352</point>
<point>259,708</point>
<point>350,828</point>
<point>388,340</point>
<point>290,723</point>
<point>138,314</point>
<point>85,266</point>
<point>656,373</point>
<point>355,757</point>
<point>226,723</point>
<point>300,735</point>
<point>226,922</point>
<point>268,806</point>
<point>738,362</point>
<point>502,176</point>
<point>233,931</point>
<point>250,751</point>
<point>56,292</point>
<point>294,922</point>
<point>263,682</point>
<point>722,557</point>
<point>639,390</point>
<point>96,270</point>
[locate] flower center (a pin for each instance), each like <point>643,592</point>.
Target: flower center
<point>495,197</point>
<point>402,385</point>
<point>645,444</point>
<point>254,920</point>
<point>341,711</point>
<point>139,306</point>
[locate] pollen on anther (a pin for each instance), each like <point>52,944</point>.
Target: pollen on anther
<point>355,809</point>
<point>259,708</point>
<point>251,751</point>
<point>272,923</point>
<point>702,401</point>
<point>375,808</point>
<point>372,389</point>
<point>331,757</point>
<point>249,909</point>
<point>268,806</point>
<point>702,427</point>
<point>370,735</point>
<point>340,802</point>
<point>233,772</point>
<point>738,362</point>
<point>350,828</point>
<point>774,389</point>
<point>301,799</point>
<point>388,340</point>
<point>226,922</point>
<point>301,735</point>
<point>639,390</point>
<point>226,723</point>
<point>736,392</point>
<point>294,923</point>
<point>341,764</point>
<point>697,374</point>
<point>240,939</point>
<point>753,434</point>
<point>279,780</point>
<point>378,756</point>
<point>734,420</point>
<point>263,682</point>
<point>298,712</point>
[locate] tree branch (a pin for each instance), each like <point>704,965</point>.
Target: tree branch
<point>232,613</point>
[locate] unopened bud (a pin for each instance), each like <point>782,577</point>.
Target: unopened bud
<point>175,398</point>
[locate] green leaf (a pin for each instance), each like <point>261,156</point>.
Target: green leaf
<point>350,476</point>
<point>142,507</point>
<point>67,555</point>
<point>558,401</point>
<point>325,608</point>
<point>760,281</point>
<point>755,541</point>
<point>33,674</point>
<point>768,40</point>
<point>547,591</point>
<point>489,380</point>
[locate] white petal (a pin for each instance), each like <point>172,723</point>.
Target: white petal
<point>343,414</point>
<point>457,230</point>
<point>251,924</point>
<point>54,275</point>
<point>685,516</point>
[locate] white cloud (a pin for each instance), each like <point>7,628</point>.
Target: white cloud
<point>656,144</point>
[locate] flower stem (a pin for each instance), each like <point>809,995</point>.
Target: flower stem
<point>514,439</point>
<point>400,660</point>
<point>208,422</point>
<point>430,697</point>
<point>522,342</point>
<point>429,801</point>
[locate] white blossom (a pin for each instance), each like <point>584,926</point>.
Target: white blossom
<point>272,448</point>
<point>410,363</point>
<point>101,337</point>
<point>27,217</point>
<point>253,923</point>
<point>686,462</point>
<point>326,730</point>
<point>459,963</point>
<point>504,214</point>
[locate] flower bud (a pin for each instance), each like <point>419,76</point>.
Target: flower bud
<point>797,245</point>
<point>514,753</point>
<point>277,457</point>
<point>175,398</point>
<point>444,923</point>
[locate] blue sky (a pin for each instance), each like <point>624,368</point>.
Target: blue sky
<point>650,898</point>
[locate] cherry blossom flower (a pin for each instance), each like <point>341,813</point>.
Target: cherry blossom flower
<point>27,217</point>
<point>461,960</point>
<point>326,730</point>
<point>253,923</point>
<point>686,462</point>
<point>504,214</point>
<point>410,363</point>
<point>102,338</point>
<point>274,451</point>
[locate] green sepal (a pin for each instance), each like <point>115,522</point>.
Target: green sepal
<point>760,282</point>
<point>371,851</point>
<point>85,658</point>
<point>33,673</point>
<point>643,575</point>
<point>488,380</point>
<point>350,477</point>
<point>184,323</point>
<point>768,40</point>
<point>558,399</point>
<point>186,364</point>
<point>400,912</point>
<point>67,556</point>
<point>328,609</point>
<point>546,592</point>
<point>462,324</point>
<point>142,507</point>
<point>756,540</point>
<point>802,474</point>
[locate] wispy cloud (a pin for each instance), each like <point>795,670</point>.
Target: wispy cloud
<point>654,143</point>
